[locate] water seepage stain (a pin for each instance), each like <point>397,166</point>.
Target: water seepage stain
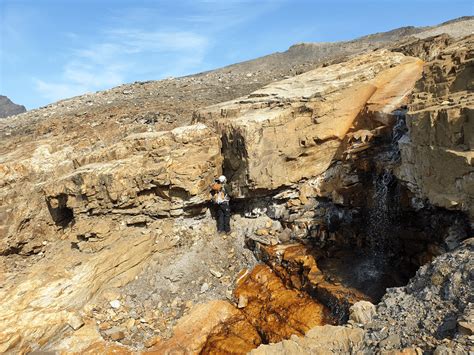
<point>273,310</point>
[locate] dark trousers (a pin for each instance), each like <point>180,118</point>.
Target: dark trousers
<point>223,217</point>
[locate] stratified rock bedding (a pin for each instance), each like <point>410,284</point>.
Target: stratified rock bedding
<point>93,210</point>
<point>294,129</point>
<point>438,152</point>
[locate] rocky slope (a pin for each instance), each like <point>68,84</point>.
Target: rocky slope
<point>107,241</point>
<point>8,108</point>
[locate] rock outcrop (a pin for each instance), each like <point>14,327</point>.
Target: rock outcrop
<point>438,150</point>
<point>313,112</point>
<point>8,108</point>
<point>144,176</point>
<point>81,213</point>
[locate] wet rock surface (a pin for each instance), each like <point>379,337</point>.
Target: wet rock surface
<point>423,316</point>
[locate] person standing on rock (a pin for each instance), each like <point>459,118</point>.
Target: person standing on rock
<point>221,199</point>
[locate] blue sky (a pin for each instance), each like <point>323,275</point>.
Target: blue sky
<point>53,49</point>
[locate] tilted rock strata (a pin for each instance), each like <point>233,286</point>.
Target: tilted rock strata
<point>293,129</point>
<point>38,306</point>
<point>86,194</point>
<point>147,173</point>
<point>83,221</point>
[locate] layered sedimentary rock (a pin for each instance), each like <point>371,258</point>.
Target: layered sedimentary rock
<point>294,129</point>
<point>144,175</point>
<point>73,218</point>
<point>89,197</point>
<point>438,151</point>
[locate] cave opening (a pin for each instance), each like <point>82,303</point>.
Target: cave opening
<point>61,214</point>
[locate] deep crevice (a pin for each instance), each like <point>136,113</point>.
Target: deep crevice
<point>60,213</point>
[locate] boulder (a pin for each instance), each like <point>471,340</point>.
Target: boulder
<point>362,312</point>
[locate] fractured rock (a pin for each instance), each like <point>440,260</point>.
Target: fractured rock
<point>438,152</point>
<point>75,321</point>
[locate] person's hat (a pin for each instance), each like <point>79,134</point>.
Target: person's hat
<point>222,178</point>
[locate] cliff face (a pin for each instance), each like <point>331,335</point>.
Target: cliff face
<point>294,129</point>
<point>438,151</point>
<point>8,108</point>
<point>345,179</point>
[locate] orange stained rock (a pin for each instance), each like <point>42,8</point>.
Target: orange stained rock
<point>274,310</point>
<point>216,326</point>
<point>394,85</point>
<point>300,270</point>
<point>236,336</point>
<point>105,349</point>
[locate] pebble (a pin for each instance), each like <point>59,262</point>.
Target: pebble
<point>216,273</point>
<point>115,304</point>
<point>75,321</point>
<point>243,301</point>
<point>204,287</point>
<point>116,333</point>
<point>150,342</point>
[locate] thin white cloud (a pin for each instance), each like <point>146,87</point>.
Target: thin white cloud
<point>134,40</point>
<point>158,47</point>
<point>109,63</point>
<point>58,91</point>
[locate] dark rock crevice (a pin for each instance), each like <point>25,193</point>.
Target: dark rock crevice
<point>61,214</point>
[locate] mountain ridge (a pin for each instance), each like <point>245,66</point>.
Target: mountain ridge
<point>9,108</point>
